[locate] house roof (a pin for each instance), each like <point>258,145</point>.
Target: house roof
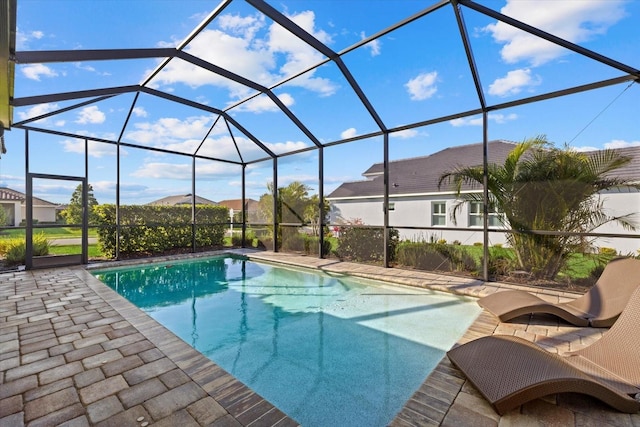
<point>236,204</point>
<point>7,194</point>
<point>181,200</point>
<point>631,171</point>
<point>418,175</point>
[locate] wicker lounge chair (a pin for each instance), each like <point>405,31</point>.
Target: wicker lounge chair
<point>510,371</point>
<point>598,307</point>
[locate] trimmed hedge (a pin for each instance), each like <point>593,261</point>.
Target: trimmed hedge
<point>156,229</point>
<point>364,244</point>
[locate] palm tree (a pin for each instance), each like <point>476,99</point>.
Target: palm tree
<point>540,188</point>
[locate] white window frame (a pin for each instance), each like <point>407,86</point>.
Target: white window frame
<point>476,215</point>
<point>438,215</point>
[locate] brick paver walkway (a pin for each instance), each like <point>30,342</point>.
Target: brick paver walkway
<point>74,353</point>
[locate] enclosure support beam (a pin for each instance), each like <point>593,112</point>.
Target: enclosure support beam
<point>193,204</point>
<point>321,211</point>
<point>85,205</point>
<point>244,204</point>
<point>485,195</point>
<point>118,154</point>
<point>385,206</point>
<point>28,249</point>
<point>275,204</point>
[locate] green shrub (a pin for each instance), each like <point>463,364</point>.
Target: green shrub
<point>421,255</point>
<point>435,256</point>
<point>14,250</point>
<point>363,244</point>
<point>16,253</point>
<point>159,228</point>
<point>249,236</point>
<point>501,261</point>
<point>293,242</point>
<point>608,252</point>
<point>312,243</point>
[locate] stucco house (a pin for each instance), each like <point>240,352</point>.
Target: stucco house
<point>416,201</point>
<point>181,199</point>
<point>250,208</point>
<point>251,205</point>
<point>14,204</point>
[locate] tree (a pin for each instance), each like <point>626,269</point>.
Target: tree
<point>543,188</point>
<point>294,205</point>
<point>4,216</point>
<point>73,213</point>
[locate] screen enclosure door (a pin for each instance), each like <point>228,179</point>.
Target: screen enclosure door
<point>56,221</point>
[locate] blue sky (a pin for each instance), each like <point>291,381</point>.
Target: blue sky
<point>414,74</point>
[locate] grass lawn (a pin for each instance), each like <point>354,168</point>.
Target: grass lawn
<point>50,233</point>
<point>94,250</point>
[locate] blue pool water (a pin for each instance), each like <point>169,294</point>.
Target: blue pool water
<point>328,350</point>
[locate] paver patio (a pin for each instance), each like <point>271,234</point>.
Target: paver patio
<point>75,353</point>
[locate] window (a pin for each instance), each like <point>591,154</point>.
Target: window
<point>438,213</point>
<point>475,216</point>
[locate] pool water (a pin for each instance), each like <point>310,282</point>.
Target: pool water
<point>328,350</point>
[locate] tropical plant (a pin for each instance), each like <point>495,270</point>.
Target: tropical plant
<point>549,197</point>
<point>294,206</point>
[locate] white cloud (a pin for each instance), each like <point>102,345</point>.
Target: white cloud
<point>182,171</point>
<point>613,144</point>
<point>140,112</point>
<point>405,134</point>
<point>585,148</point>
<point>477,120</point>
<point>575,21</point>
<point>23,38</point>
<point>263,103</point>
<point>35,71</point>
<point>514,82</point>
<point>91,115</point>
<point>243,45</point>
<point>96,149</point>
<point>91,69</point>
<point>422,86</point>
<point>158,170</point>
<point>170,132</point>
<point>373,46</point>
<point>36,111</point>
<point>619,143</point>
<point>285,147</point>
<point>348,133</point>
<point>502,118</point>
<point>223,147</point>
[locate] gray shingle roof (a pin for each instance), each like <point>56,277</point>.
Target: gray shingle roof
<point>14,196</point>
<point>236,204</point>
<point>631,171</point>
<point>418,175</point>
<point>181,200</point>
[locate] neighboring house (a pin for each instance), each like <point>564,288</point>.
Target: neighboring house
<point>14,204</point>
<point>186,199</point>
<point>250,208</point>
<point>416,201</point>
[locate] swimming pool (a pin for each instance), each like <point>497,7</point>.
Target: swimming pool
<point>328,350</point>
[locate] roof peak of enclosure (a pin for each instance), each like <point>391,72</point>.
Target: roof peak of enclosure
<point>254,80</point>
